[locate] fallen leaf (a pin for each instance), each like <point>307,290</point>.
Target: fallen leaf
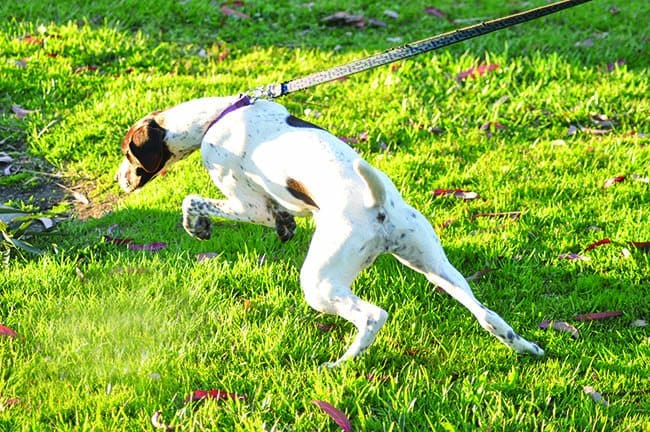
<point>512,215</point>
<point>80,197</point>
<point>158,423</point>
<point>448,222</point>
<point>641,245</point>
<point>378,378</point>
<point>457,193</point>
<point>573,129</point>
<point>598,243</point>
<point>614,65</point>
<point>612,181</point>
<point>325,327</point>
<point>5,158</point>
<point>391,14</point>
<point>491,127</point>
<point>206,256</point>
<point>597,397</point>
<point>435,12</point>
<point>226,10</point>
<point>476,71</point>
<point>561,326</point>
<point>149,247</point>
<point>597,316</point>
<point>32,40</point>
<point>344,18</point>
<point>601,120</point>
<point>9,403</point>
<point>587,43</point>
<point>639,323</point>
<point>6,331</point>
<point>335,414</point>
<point>20,111</point>
<point>479,274</point>
<point>218,395</point>
<point>117,241</point>
<point>593,131</point>
<point>573,257</point>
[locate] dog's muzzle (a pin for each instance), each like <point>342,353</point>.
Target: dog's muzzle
<point>130,177</point>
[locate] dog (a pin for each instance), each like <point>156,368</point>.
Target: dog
<point>272,167</point>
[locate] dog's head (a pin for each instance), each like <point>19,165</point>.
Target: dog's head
<point>145,153</point>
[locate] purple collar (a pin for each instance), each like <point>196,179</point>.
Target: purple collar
<point>244,100</point>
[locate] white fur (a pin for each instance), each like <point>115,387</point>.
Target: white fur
<point>251,152</point>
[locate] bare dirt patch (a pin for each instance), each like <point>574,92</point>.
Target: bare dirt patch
<point>27,179</point>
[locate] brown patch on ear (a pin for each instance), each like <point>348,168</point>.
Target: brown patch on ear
<point>146,142</point>
<point>298,190</point>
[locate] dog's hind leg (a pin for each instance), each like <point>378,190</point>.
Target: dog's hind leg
<point>331,266</point>
<point>419,248</point>
<point>198,210</point>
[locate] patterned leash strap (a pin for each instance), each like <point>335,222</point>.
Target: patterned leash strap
<point>271,91</point>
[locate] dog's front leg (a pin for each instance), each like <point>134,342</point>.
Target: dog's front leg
<point>198,210</point>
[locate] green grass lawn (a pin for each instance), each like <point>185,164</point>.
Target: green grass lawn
<point>107,336</point>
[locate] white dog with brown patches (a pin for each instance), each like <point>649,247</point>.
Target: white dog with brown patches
<point>271,166</point>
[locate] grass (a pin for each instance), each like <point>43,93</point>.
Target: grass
<point>108,336</point>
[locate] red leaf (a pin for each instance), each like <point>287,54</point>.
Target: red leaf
<point>217,395</point>
<point>32,40</point>
<point>598,243</point>
<point>336,415</point>
<point>598,316</point>
<point>476,71</point>
<point>612,181</point>
<point>641,245</point>
<point>6,331</point>
<point>560,326</point>
<point>149,247</point>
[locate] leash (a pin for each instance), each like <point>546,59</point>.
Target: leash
<point>271,91</point>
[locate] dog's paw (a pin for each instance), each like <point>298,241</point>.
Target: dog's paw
<point>285,226</point>
<point>198,226</point>
<point>522,346</point>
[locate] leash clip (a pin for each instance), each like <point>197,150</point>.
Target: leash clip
<point>266,92</point>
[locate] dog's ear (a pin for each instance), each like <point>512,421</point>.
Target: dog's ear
<point>146,142</point>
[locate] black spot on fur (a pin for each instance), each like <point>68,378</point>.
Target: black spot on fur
<point>300,123</point>
<point>381,217</point>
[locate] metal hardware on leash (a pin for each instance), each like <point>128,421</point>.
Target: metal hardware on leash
<point>271,91</point>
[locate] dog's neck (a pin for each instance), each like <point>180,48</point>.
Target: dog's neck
<point>187,123</point>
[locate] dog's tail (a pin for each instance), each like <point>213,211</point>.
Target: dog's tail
<point>376,192</point>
